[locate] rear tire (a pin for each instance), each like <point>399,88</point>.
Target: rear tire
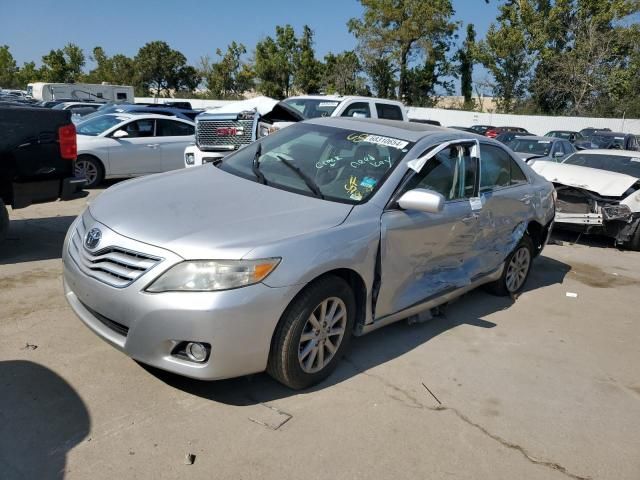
<point>516,270</point>
<point>4,221</point>
<point>309,340</point>
<point>91,168</point>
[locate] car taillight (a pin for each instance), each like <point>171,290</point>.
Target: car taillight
<point>67,140</point>
<point>491,133</point>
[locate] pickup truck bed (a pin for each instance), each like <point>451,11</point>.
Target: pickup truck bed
<point>37,153</point>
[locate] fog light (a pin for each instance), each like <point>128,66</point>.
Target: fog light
<point>189,158</point>
<point>196,352</point>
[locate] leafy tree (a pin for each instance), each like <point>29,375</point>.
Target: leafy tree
<point>162,70</point>
<point>8,68</point>
<point>230,77</point>
<point>307,70</point>
<point>28,73</point>
<point>274,62</point>
<point>342,74</point>
<point>406,29</point>
<point>381,74</point>
<point>118,69</point>
<point>63,65</point>
<point>466,56</point>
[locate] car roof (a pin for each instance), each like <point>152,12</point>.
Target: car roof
<point>340,98</point>
<point>546,139</point>
<point>143,115</point>
<point>562,131</point>
<point>605,133</point>
<point>409,131</point>
<point>615,153</point>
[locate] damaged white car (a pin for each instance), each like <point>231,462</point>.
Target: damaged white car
<point>598,192</point>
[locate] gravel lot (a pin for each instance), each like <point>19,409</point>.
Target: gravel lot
<point>547,387</point>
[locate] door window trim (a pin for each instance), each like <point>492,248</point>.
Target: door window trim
<point>392,204</point>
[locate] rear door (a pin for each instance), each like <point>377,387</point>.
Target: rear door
<point>173,136</point>
<point>506,206</point>
<point>426,254</point>
<point>137,153</point>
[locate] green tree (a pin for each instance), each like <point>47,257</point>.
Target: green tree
<point>307,69</point>
<point>118,69</point>
<point>230,77</point>
<point>28,73</point>
<point>342,74</point>
<point>466,57</point>
<point>274,62</point>
<point>8,68</point>
<point>407,30</point>
<point>162,70</point>
<point>63,65</point>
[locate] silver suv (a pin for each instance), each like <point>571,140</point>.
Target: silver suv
<point>274,257</point>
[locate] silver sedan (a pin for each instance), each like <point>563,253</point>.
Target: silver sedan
<point>273,258</point>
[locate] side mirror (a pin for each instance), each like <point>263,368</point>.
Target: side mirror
<point>120,134</point>
<point>422,200</point>
<point>558,154</point>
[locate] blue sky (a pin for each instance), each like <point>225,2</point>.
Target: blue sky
<point>196,28</point>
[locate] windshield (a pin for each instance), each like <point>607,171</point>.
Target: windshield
<point>612,163</point>
<point>563,135</point>
<point>313,108</point>
<point>95,126</point>
<point>343,165</point>
<point>607,141</point>
<point>531,147</point>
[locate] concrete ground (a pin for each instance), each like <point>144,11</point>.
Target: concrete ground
<point>547,387</point>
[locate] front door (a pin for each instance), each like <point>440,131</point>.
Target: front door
<point>425,254</point>
<point>138,153</point>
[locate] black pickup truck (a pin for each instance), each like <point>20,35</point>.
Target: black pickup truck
<point>37,153</point>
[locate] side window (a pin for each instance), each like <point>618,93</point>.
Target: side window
<point>498,169</point>
<point>140,128</point>
<point>171,128</point>
<point>389,112</point>
<point>358,109</point>
<point>121,96</point>
<point>452,173</point>
<point>568,148</point>
<point>558,150</point>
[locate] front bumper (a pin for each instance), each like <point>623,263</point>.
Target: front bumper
<point>194,157</point>
<point>238,324</point>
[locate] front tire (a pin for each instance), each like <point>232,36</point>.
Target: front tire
<point>516,270</point>
<point>90,168</point>
<point>313,333</point>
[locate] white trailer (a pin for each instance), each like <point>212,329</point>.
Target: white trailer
<point>80,91</point>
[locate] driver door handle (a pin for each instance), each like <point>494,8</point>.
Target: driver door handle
<point>152,145</point>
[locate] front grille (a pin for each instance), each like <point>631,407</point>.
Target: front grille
<point>208,133</point>
<point>107,322</point>
<point>112,265</point>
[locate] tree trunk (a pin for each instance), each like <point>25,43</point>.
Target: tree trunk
<point>404,54</point>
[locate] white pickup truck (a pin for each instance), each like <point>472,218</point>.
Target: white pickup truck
<point>226,129</point>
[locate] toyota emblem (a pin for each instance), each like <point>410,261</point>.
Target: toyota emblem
<point>93,238</point>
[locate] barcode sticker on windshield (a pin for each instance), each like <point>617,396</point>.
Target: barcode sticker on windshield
<point>635,159</point>
<point>386,141</point>
<point>328,104</point>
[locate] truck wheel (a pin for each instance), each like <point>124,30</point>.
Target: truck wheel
<point>4,221</point>
<point>90,168</point>
<point>313,333</point>
<point>516,270</point>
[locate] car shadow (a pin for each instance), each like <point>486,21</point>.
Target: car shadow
<point>32,239</point>
<point>571,237</point>
<point>41,419</point>
<point>376,348</point>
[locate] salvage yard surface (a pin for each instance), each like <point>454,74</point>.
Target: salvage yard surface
<point>547,387</point>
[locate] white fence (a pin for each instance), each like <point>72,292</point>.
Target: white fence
<point>533,123</point>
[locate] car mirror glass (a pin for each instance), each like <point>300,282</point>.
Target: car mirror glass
<point>422,200</point>
<point>120,134</point>
<point>558,154</point>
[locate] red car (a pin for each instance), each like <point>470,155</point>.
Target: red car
<point>494,132</point>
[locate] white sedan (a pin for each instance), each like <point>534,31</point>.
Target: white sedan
<point>129,145</point>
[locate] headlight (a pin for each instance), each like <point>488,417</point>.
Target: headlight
<point>189,158</point>
<point>263,131</point>
<point>212,275</point>
<point>616,212</point>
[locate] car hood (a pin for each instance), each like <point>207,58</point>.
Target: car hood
<point>205,212</point>
<point>602,182</point>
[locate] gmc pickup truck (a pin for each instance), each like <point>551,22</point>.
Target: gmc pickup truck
<point>37,152</point>
<point>224,130</point>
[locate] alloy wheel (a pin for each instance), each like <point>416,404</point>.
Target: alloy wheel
<point>518,269</point>
<point>87,170</point>
<point>322,334</point>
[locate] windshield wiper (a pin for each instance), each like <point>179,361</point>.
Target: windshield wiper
<point>255,166</point>
<point>313,186</point>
